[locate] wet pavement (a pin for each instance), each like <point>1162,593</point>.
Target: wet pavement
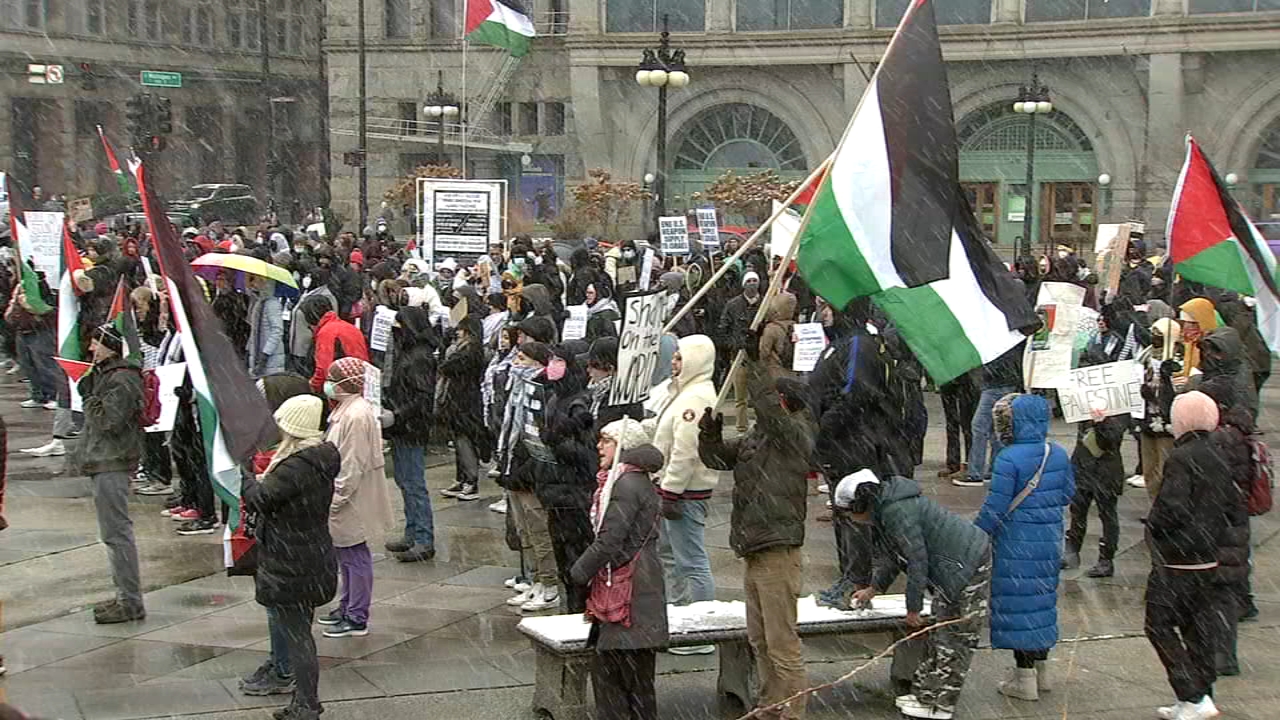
<point>443,642</point>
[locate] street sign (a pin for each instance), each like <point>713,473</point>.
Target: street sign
<point>160,78</point>
<point>38,74</point>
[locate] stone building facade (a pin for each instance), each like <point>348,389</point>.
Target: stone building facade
<point>775,81</point>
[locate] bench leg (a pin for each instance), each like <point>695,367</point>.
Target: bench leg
<point>560,685</point>
<point>738,672</point>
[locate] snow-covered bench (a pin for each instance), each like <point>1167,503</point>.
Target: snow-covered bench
<point>563,660</point>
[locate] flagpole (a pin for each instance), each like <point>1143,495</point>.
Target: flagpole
<point>465,107</point>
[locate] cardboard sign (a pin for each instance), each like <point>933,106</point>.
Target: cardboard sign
<point>80,210</point>
<point>674,233</point>
<point>575,327</point>
<point>638,342</point>
<point>373,385</point>
<point>42,244</point>
<point>1115,388</point>
<point>1048,357</point>
<point>384,318</point>
<point>708,228</point>
<point>1111,247</point>
<point>170,377</point>
<point>810,341</point>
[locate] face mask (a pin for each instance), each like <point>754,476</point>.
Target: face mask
<point>629,254</point>
<point>330,389</point>
<point>537,260</point>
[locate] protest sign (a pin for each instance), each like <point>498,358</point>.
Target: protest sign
<point>384,318</point>
<point>1048,357</point>
<point>170,377</point>
<point>708,228</point>
<point>373,385</point>
<point>810,341</point>
<point>642,317</point>
<point>1110,248</point>
<point>1115,388</point>
<point>575,327</point>
<point>42,244</point>
<point>673,232</point>
<point>80,210</point>
<point>646,270</point>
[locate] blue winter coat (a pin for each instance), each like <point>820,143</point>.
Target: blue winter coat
<point>1026,545</point>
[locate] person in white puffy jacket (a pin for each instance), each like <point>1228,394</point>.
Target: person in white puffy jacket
<point>686,484</point>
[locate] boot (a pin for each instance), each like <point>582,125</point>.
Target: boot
<point>1042,676</point>
<point>1104,569</point>
<point>1021,686</point>
<point>1070,558</point>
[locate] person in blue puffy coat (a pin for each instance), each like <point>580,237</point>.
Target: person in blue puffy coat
<point>1026,539</point>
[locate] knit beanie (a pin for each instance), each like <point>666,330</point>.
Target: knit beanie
<point>299,416</point>
<point>628,432</point>
<point>1193,411</point>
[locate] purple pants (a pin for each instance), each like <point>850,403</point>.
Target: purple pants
<point>355,567</point>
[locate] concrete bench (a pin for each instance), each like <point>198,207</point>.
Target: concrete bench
<point>563,660</point>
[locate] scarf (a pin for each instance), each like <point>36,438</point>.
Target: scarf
<point>605,480</point>
<point>520,389</point>
<point>599,390</point>
<point>290,445</point>
<point>499,364</point>
<point>602,305</point>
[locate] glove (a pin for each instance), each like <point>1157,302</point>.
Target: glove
<point>711,424</point>
<point>753,345</point>
<point>671,509</point>
<point>388,419</point>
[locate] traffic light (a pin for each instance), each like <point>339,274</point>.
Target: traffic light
<point>163,116</point>
<point>139,115</point>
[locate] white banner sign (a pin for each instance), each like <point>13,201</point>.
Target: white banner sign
<point>646,270</point>
<point>638,347</point>
<point>43,243</point>
<point>170,377</point>
<point>810,341</point>
<point>458,218</point>
<point>373,385</point>
<point>575,327</point>
<point>708,228</point>
<point>1047,359</point>
<point>384,318</point>
<point>1114,388</point>
<point>674,233</point>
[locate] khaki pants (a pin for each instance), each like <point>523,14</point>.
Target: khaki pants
<point>740,397</point>
<point>1155,450</point>
<point>772,584</point>
<point>535,538</point>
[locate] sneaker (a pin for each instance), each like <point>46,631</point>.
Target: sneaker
<point>50,405</point>
<point>914,708</point>
<point>469,492</point>
<point>824,488</point>
<point>114,612</point>
<point>185,516</point>
<point>30,404</point>
<point>293,712</point>
<point>547,599</point>
<point>499,507</point>
<point>417,553</point>
<point>265,669</point>
<point>523,597</point>
<point>966,481</point>
<point>494,472</point>
<point>50,449</point>
<point>1070,559</point>
<point>347,628</point>
<point>175,510</point>
<point>333,618</point>
<point>398,546</point>
<point>516,583</point>
<point>1169,712</point>
<point>198,527</point>
<point>902,700</point>
<point>1202,710</point>
<point>154,489</point>
<point>693,650</point>
<point>452,491</point>
<point>1136,481</point>
<point>267,681</point>
<point>14,370</point>
<point>1103,569</point>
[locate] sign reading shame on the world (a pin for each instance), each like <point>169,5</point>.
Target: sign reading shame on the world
<point>638,342</point>
<point>1115,388</point>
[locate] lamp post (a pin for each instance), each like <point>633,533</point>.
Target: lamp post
<point>662,68</point>
<point>1033,100</point>
<point>440,106</point>
<point>1104,201</point>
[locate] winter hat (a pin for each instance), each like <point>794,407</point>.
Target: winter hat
<point>538,328</point>
<point>603,353</point>
<point>348,374</point>
<point>1194,411</point>
<point>627,432</point>
<point>204,243</point>
<point>357,258</point>
<point>101,229</point>
<point>751,275</point>
<point>846,497</point>
<point>109,337</point>
<point>299,416</point>
<point>538,351</point>
<point>672,281</point>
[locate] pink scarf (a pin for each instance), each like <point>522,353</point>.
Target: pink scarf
<point>604,491</point>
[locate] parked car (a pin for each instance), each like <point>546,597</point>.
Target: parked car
<point>230,203</point>
<point>124,220</point>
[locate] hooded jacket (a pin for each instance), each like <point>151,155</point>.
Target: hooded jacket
<point>459,403</point>
<point>1189,514</point>
<point>775,338</point>
<point>266,333</point>
<point>1027,541</point>
<point>411,394</point>
<point>1225,370</point>
<point>335,339</point>
<point>568,432</point>
<point>1202,311</point>
<point>676,433</point>
<point>112,439</point>
<point>300,333</point>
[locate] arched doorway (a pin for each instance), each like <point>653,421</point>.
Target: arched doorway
<point>741,137</point>
<point>1264,176</point>
<point>993,170</point>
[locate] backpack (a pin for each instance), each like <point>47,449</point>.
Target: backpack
<point>1262,477</point>
<point>150,413</point>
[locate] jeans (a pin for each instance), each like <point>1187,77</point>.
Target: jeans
<point>466,463</point>
<point>355,567</point>
<point>35,355</point>
<point>279,644</point>
<point>684,555</point>
<point>115,528</point>
<point>959,399</point>
<point>409,463</point>
<point>772,584</point>
<point>984,433</point>
<point>294,623</point>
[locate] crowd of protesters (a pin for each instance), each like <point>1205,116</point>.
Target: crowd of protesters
<point>476,351</point>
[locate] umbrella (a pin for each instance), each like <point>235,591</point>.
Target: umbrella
<point>209,264</point>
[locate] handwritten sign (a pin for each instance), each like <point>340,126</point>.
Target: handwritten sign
<point>373,385</point>
<point>638,347</point>
<point>384,318</point>
<point>575,327</point>
<point>81,210</point>
<point>1115,388</point>
<point>810,341</point>
<point>1111,247</point>
<point>708,228</point>
<point>42,244</point>
<point>170,377</point>
<point>674,234</point>
<point>1048,358</point>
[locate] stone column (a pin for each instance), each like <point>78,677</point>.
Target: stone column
<point>719,16</point>
<point>588,115</point>
<point>854,85</point>
<point>858,15</point>
<point>1165,136</point>
<point>585,17</point>
<point>1006,11</point>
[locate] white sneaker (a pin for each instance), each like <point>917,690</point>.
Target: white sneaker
<point>1136,481</point>
<point>499,507</point>
<point>524,597</point>
<point>824,488</point>
<point>31,404</point>
<point>903,700</point>
<point>541,599</point>
<point>49,449</point>
<point>915,709</point>
<point>515,583</point>
<point>14,370</point>
<point>693,650</point>
<point>1202,710</point>
<point>1169,712</point>
<point>51,405</point>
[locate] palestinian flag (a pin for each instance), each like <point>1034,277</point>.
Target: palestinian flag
<point>122,182</point>
<point>891,222</point>
<point>18,233</point>
<point>235,420</point>
<point>69,334</point>
<point>500,23</point>
<point>1211,241</point>
<point>123,320</point>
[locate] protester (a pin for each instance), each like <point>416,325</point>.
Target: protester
<point>999,378</point>
<point>409,408</point>
<point>1224,366</point>
<point>1099,472</point>
<point>1031,483</point>
<point>297,564</point>
<point>624,517</point>
<point>460,407</point>
<point>265,348</point>
<point>735,329</point>
<point>1155,439</point>
<point>109,449</point>
<point>334,338</point>
<point>35,341</point>
<point>301,353</point>
<point>602,370</point>
<point>775,346</point>
<point>959,402</point>
<point>1197,317</point>
<point>766,527</point>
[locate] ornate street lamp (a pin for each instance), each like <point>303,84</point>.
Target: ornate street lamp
<point>1033,100</point>
<point>662,68</point>
<point>440,106</point>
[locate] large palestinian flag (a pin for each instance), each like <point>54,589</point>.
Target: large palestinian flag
<point>500,23</point>
<point>69,331</point>
<point>1211,241</point>
<point>235,420</point>
<point>891,221</point>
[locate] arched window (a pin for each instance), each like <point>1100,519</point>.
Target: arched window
<point>738,135</point>
<point>998,128</point>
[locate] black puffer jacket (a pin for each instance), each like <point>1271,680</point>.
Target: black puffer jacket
<point>1189,515</point>
<point>1103,474</point>
<point>568,431</point>
<point>411,394</point>
<point>769,467</point>
<point>1227,375</point>
<point>297,564</point>
<point>460,405</point>
<point>1233,541</point>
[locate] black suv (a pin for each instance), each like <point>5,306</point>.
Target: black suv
<point>230,203</point>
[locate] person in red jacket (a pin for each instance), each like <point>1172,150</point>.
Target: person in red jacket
<point>334,338</point>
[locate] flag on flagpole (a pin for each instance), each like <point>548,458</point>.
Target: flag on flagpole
<point>500,23</point>
<point>69,333</point>
<point>235,420</point>
<point>1212,241</point>
<point>18,232</point>
<point>122,182</point>
<point>123,320</point>
<point>890,220</point>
